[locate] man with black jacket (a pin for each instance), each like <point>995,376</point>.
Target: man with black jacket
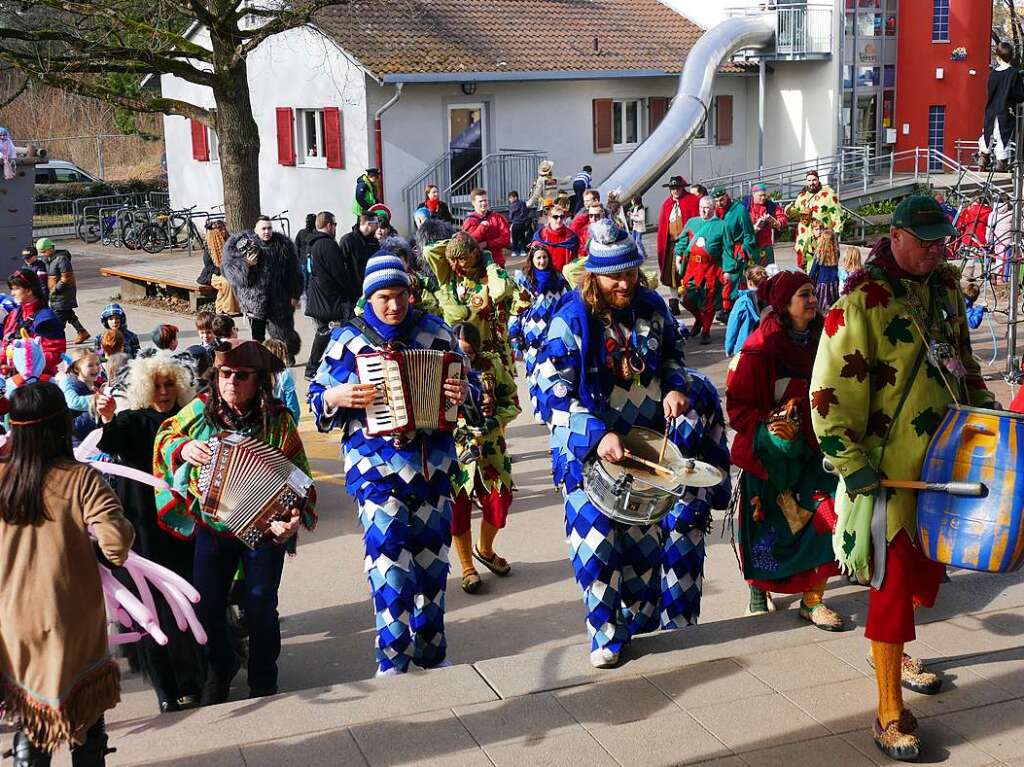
<point>334,284</point>
<point>361,243</point>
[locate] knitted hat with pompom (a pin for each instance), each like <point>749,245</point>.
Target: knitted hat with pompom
<point>610,249</point>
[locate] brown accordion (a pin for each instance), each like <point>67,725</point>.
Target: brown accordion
<point>248,484</point>
<point>410,390</point>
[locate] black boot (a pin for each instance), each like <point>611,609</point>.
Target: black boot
<point>217,688</point>
<point>92,753</point>
<point>984,160</point>
<point>26,754</point>
<point>1001,166</point>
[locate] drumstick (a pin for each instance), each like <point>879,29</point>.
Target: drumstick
<point>664,446</point>
<point>966,489</point>
<point>649,464</point>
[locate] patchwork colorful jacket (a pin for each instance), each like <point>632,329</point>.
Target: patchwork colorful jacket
<point>865,362</point>
<point>482,449</point>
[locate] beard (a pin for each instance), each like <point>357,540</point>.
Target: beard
<point>616,300</point>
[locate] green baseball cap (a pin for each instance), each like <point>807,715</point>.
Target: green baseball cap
<point>920,215</point>
<point>44,243</point>
<point>718,191</point>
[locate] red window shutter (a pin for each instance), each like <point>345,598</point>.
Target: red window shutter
<point>723,120</point>
<point>656,108</point>
<point>200,141</point>
<point>334,138</point>
<point>602,126</point>
<point>285,136</point>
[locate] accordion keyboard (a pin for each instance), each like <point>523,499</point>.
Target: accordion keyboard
<point>386,412</point>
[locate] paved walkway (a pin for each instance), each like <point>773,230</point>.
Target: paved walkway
<point>771,690</point>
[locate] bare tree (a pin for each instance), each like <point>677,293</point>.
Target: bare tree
<point>1007,20</point>
<point>104,49</point>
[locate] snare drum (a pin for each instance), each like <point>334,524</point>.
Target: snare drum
<point>975,445</point>
<point>634,494</point>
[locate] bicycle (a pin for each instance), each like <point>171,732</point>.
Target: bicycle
<point>171,229</point>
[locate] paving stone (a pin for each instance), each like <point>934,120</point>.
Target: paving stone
<point>718,681</point>
<point>533,672</point>
<point>224,757</point>
<point>516,719</point>
<point>300,713</point>
<point>766,720</point>
<point>1004,669</point>
<point>825,752</point>
<point>988,632</point>
<point>727,761</point>
<point>629,700</point>
<point>997,730</point>
<point>665,740</point>
<point>437,738</point>
<point>938,745</point>
<point>796,667</point>
<point>840,706</point>
<point>574,749</point>
<point>334,747</point>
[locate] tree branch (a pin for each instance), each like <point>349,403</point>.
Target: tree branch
<point>282,21</point>
<point>13,97</point>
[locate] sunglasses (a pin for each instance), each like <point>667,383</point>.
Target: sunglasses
<point>596,216</point>
<point>238,375</point>
<point>557,217</point>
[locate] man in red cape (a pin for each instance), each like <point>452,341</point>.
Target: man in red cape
<point>678,208</point>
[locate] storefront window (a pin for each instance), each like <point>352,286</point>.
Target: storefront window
<point>867,76</point>
<point>889,79</point>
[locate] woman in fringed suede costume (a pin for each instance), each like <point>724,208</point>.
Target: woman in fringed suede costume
<point>56,674</point>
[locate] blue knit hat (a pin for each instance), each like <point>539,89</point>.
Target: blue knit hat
<point>384,270</point>
<point>610,249</point>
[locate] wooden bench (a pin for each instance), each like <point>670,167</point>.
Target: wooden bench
<point>142,281</point>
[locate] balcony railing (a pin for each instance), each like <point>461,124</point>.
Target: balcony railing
<point>800,30</point>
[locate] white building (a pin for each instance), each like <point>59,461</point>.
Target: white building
<point>457,85</point>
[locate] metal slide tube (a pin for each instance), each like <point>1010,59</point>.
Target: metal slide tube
<point>649,161</point>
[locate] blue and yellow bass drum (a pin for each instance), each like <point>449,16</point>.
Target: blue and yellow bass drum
<point>975,445</point>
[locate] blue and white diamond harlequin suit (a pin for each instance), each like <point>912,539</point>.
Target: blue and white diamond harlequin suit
<point>616,565</point>
<point>699,434</point>
<point>406,514</point>
<point>527,329</point>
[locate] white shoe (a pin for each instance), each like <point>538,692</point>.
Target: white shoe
<point>393,671</point>
<point>602,657</point>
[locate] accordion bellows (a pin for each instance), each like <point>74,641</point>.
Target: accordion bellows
<point>248,484</point>
<point>410,390</point>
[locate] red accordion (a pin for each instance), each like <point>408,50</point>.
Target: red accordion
<point>410,390</point>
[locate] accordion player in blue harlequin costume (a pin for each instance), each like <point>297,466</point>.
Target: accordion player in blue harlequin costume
<point>400,482</point>
<point>613,360</point>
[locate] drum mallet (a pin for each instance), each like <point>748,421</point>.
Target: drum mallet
<point>964,489</point>
<point>649,464</point>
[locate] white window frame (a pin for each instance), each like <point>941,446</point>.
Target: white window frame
<point>618,142</point>
<point>302,156</point>
<point>213,145</point>
<point>706,135</point>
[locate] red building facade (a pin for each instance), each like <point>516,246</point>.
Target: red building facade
<point>943,56</point>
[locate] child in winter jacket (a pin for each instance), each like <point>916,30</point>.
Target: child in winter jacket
<point>746,314</point>
<point>113,318</point>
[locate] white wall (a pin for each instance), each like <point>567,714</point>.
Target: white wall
<point>555,117</point>
<point>800,111</point>
<point>298,69</point>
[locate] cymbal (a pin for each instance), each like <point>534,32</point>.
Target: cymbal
<point>694,473</point>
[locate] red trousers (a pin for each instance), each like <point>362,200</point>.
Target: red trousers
<point>495,504</point>
<point>704,273</point>
<point>910,579</point>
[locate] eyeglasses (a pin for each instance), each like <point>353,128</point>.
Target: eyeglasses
<point>238,375</point>
<point>939,243</point>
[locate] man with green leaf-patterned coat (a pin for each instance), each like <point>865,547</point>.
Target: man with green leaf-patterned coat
<point>895,352</point>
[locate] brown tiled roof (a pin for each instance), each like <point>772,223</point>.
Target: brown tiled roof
<point>451,36</point>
